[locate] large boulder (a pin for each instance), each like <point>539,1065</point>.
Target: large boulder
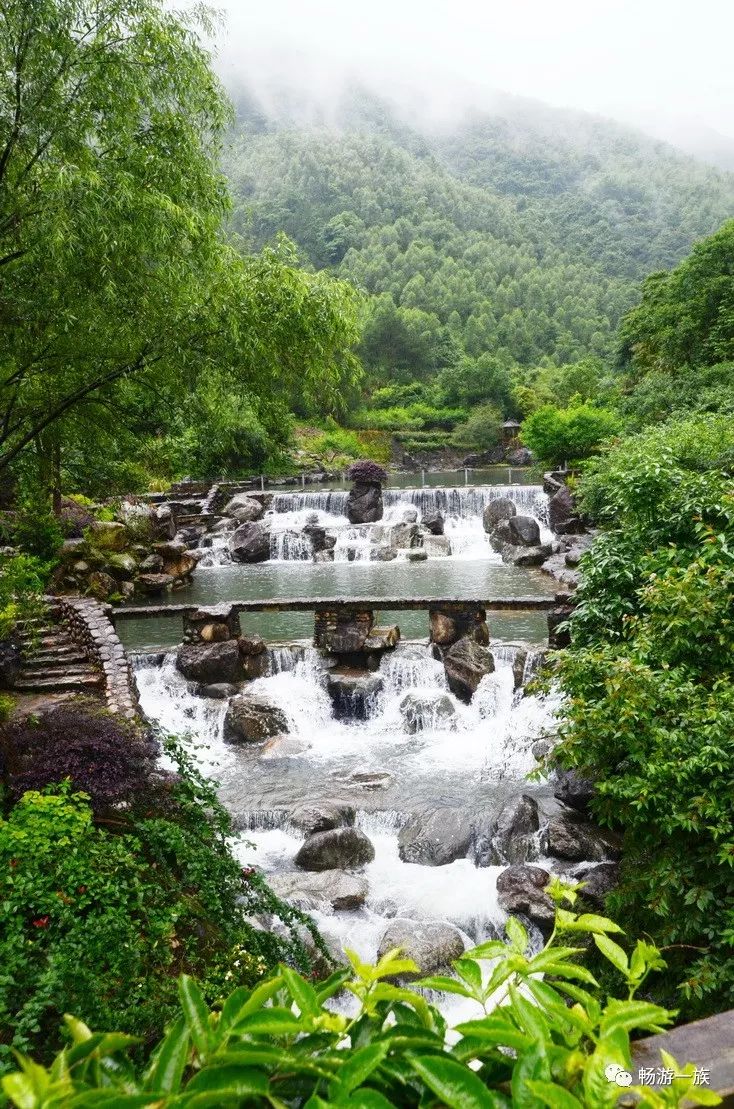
<point>102,585</point>
<point>336,849</point>
<point>573,790</point>
<point>243,509</point>
<point>525,531</point>
<point>432,944</point>
<point>501,508</point>
<point>121,565</point>
<point>520,890</point>
<point>253,719</point>
<point>561,510</point>
<point>108,535</point>
<point>405,535</point>
<point>466,663</point>
<point>437,546</point>
<point>319,540</point>
<point>210,663</point>
<point>448,625</point>
<point>364,503</point>
<point>311,890</point>
<point>437,839</point>
<point>250,543</point>
<point>425,711</point>
<point>513,837</point>
<point>568,837</point>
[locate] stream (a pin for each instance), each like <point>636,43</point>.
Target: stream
<point>462,763</point>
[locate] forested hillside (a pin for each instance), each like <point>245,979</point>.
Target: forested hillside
<point>523,235</point>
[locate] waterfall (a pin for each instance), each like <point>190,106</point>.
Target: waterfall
<point>330,502</point>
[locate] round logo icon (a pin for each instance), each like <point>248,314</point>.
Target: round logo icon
<point>615,1073</point>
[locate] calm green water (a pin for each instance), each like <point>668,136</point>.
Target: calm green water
<point>451,577</point>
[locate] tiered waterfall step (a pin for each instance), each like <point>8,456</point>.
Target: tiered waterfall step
<point>52,661</point>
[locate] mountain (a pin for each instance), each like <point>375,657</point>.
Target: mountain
<point>521,232</point>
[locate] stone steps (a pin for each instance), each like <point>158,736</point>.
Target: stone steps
<point>59,683</point>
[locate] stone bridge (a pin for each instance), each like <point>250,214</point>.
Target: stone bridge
<point>352,619</point>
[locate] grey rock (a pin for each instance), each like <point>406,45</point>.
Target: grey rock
<point>437,546</point>
<point>353,693</point>
<point>210,663</point>
<point>410,516</point>
<point>513,837</point>
<point>418,554</point>
<point>527,556</point>
<point>308,890</point>
<point>218,691</point>
<point>250,543</point>
<point>404,536</point>
<point>433,522</point>
<point>383,554</point>
<point>151,564</point>
<point>336,849</point>
<point>560,509</point>
<point>573,790</point>
<point>426,711</point>
<point>599,881</point>
<point>154,585</point>
<point>243,509</point>
<point>322,818</point>
<point>432,944</point>
<point>466,663</point>
<point>568,837</point>
<point>520,890</point>
<point>541,749</point>
<point>436,839</point>
<point>364,503</point>
<point>501,508</point>
<point>253,719</point>
<point>525,531</point>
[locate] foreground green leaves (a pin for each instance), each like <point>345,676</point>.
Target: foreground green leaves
<point>537,1038</point>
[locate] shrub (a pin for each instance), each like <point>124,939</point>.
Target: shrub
<point>483,429</point>
<point>111,762</point>
<point>558,435</point>
<point>98,919</point>
<point>21,589</point>
<point>368,472</point>
<point>282,1044</point>
<point>37,531</point>
<point>649,684</point>
<point>75,516</point>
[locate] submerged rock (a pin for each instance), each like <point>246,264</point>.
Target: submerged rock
<point>423,711</point>
<point>436,839</point>
<point>433,522</point>
<point>353,693</point>
<point>336,849</point>
<point>520,890</point>
<point>252,719</point>
<point>466,663</point>
<point>310,889</point>
<point>218,691</point>
<point>431,944</point>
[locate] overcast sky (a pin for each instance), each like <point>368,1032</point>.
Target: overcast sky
<point>637,60</point>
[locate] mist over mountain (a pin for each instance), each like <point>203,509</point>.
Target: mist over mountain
<point>512,229</point>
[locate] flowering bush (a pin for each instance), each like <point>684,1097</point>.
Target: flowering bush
<point>368,472</point>
<point>283,1044</point>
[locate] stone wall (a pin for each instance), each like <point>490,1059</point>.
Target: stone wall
<point>91,627</point>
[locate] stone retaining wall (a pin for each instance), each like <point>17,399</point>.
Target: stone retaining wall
<point>91,627</point>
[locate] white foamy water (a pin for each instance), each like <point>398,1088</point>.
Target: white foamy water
<point>461,509</point>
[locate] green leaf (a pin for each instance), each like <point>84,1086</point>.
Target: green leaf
<point>593,923</point>
<point>531,1066</point>
<point>359,1065</point>
<point>445,984</point>
<point>517,935</point>
<point>195,1012</point>
<point>369,1099</point>
<point>166,1068</point>
<point>456,1085</point>
<point>628,1015</point>
<point>269,1022</point>
<point>613,952</point>
<point>19,1088</point>
<point>242,1002</point>
<point>554,1096</point>
<point>229,1080</point>
<point>302,992</point>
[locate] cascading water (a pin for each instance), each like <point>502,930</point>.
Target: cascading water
<point>467,757</point>
<point>461,509</point>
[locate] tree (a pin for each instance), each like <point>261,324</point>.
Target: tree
<point>559,435</point>
<point>111,205</point>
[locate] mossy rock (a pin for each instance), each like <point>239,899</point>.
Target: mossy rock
<point>108,535</point>
<point>121,565</point>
